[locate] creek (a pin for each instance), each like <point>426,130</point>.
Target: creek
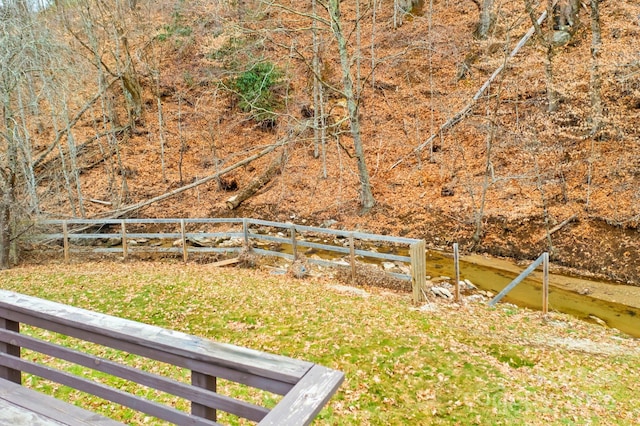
<point>617,305</point>
<point>585,298</point>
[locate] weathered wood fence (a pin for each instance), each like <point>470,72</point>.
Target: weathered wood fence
<point>305,387</point>
<point>192,238</point>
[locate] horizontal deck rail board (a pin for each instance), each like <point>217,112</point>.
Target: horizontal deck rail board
<point>189,347</point>
<point>306,387</point>
<point>103,391</point>
<point>191,393</point>
<point>272,385</point>
<point>28,407</point>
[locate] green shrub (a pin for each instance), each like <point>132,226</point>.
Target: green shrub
<point>255,90</point>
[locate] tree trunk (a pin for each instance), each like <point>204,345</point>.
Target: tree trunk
<point>7,186</point>
<point>256,184</point>
<point>596,44</point>
<point>547,43</point>
<point>486,19</point>
<point>366,195</point>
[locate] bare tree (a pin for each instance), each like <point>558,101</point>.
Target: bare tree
<point>594,90</point>
<point>367,200</point>
<point>547,43</point>
<point>596,45</point>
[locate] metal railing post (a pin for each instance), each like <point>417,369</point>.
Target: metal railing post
<point>456,265</point>
<point>545,284</point>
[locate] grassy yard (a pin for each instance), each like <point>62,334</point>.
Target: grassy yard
<point>454,365</point>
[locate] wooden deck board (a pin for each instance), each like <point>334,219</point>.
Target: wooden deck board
<point>23,406</point>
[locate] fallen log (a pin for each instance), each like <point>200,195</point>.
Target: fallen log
<point>226,262</point>
<point>558,227</point>
<point>256,184</point>
<point>124,211</point>
<point>467,108</point>
<point>131,208</point>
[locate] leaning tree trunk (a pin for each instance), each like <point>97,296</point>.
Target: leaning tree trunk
<point>367,201</point>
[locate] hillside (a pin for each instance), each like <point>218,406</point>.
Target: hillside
<point>507,173</point>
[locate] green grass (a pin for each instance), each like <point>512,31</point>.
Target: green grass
<point>457,365</point>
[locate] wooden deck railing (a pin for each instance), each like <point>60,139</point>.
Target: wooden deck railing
<point>306,387</point>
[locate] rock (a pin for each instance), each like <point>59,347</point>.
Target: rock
<point>351,290</point>
<point>112,242</point>
<point>202,241</point>
<point>486,293</point>
<point>584,291</point>
<point>597,320</point>
<point>232,242</point>
<point>447,191</point>
<point>560,37</point>
<point>427,307</point>
<point>387,266</point>
<point>442,292</point>
<point>403,268</point>
<point>469,285</point>
<point>328,223</point>
<point>476,298</point>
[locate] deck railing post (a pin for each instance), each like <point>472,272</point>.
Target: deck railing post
<point>7,373</point>
<point>207,382</point>
<point>456,265</point>
<point>124,240</point>
<point>65,241</point>
<point>545,283</point>
<point>418,270</point>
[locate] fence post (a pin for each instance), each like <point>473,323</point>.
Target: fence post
<point>245,231</point>
<point>7,373</point>
<point>207,382</point>
<point>456,265</point>
<point>418,270</point>
<point>65,241</point>
<point>124,240</point>
<point>352,257</point>
<point>185,255</point>
<point>545,283</point>
<point>294,243</point>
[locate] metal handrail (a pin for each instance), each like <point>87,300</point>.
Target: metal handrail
<point>544,260</point>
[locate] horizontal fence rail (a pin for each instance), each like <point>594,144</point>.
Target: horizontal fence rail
<point>246,232</point>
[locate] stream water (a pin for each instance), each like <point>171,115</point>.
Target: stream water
<point>621,314</point>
